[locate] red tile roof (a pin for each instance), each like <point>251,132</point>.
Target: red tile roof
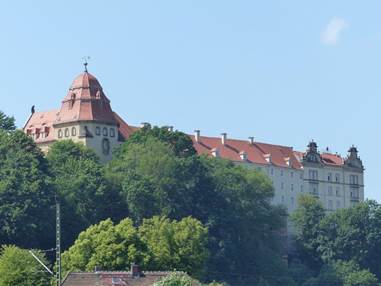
<point>41,122</point>
<point>332,159</point>
<point>105,278</point>
<point>124,129</point>
<point>280,156</point>
<point>85,101</point>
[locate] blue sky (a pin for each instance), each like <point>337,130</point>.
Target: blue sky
<point>282,71</point>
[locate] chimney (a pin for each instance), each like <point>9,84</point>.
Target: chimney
<point>251,140</point>
<point>215,152</point>
<point>223,138</point>
<point>197,135</point>
<point>267,157</point>
<point>135,271</point>
<point>243,155</point>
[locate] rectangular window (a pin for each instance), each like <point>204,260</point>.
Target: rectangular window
<point>281,185</point>
<point>338,205</point>
<point>314,189</point>
<point>292,187</point>
<point>330,205</point>
<point>329,177</point>
<point>338,192</point>
<point>330,191</point>
<point>355,193</point>
<point>313,175</point>
<point>353,179</point>
<point>337,178</point>
<point>292,174</point>
<point>281,172</point>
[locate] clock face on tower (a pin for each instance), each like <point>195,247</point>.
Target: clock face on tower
<point>106,146</point>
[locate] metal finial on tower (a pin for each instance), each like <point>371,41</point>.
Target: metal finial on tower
<point>85,63</point>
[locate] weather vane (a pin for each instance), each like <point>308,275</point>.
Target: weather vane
<point>85,63</point>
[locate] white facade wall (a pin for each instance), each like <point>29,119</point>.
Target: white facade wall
<point>102,138</point>
<point>332,185</point>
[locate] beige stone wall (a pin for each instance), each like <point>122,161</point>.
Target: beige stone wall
<point>99,134</point>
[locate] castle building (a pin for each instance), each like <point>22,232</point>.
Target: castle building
<point>86,116</point>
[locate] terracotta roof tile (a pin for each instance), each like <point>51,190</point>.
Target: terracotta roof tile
<point>106,278</point>
<point>281,156</point>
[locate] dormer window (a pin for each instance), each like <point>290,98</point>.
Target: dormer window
<point>72,100</point>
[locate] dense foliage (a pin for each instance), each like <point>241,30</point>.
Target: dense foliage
<point>158,244</point>
<point>26,198</point>
<point>160,205</point>
<point>232,201</point>
<point>341,247</point>
<point>18,267</point>
<point>86,196</point>
<point>7,123</point>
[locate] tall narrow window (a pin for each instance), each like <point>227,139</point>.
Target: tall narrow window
<point>73,131</point>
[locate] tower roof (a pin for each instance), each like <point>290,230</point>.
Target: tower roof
<point>85,101</point>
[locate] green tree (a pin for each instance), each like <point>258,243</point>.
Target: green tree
<point>179,142</point>
<point>159,244</point>
<point>232,201</point>
<point>26,198</point>
<point>177,279</point>
<point>18,267</point>
<point>109,246</point>
<point>180,245</point>
<point>7,123</point>
<point>85,194</point>
<point>351,274</point>
<point>306,219</point>
<point>353,234</point>
<point>153,180</point>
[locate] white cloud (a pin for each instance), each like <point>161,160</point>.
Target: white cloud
<point>332,31</point>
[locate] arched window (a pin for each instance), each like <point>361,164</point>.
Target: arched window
<point>73,131</point>
<point>106,146</point>
<point>59,133</point>
<point>105,132</point>
<point>67,132</point>
<point>112,132</point>
<point>97,130</point>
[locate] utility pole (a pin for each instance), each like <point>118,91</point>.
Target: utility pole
<point>58,242</point>
<point>57,249</point>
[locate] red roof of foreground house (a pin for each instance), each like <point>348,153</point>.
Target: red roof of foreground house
<point>106,278</point>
